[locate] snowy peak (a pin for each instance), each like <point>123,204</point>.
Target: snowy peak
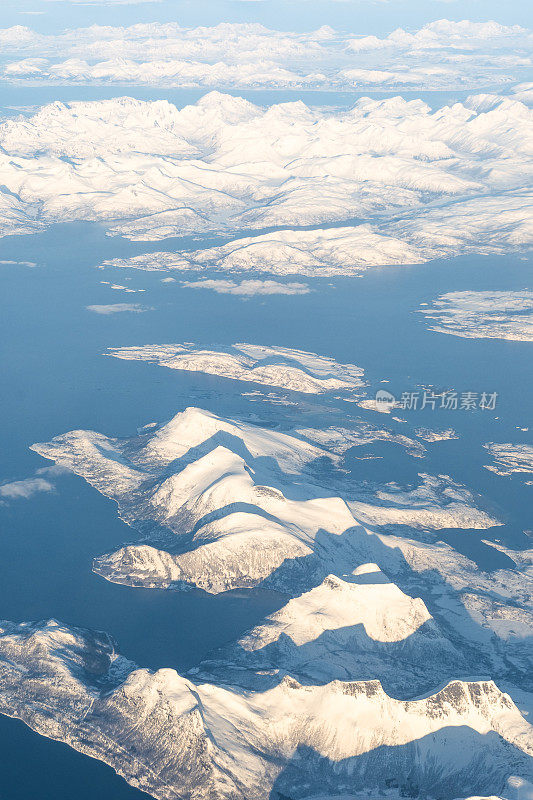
<point>221,487</point>
<point>69,654</point>
<point>384,611</point>
<point>359,628</point>
<point>179,693</point>
<point>214,479</point>
<point>193,427</point>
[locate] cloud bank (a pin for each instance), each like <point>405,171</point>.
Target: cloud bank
<point>28,487</point>
<point>248,288</point>
<point>116,308</point>
<point>442,54</point>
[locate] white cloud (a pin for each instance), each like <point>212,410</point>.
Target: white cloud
<point>248,288</point>
<point>10,263</point>
<point>116,308</point>
<point>26,488</point>
<point>119,287</point>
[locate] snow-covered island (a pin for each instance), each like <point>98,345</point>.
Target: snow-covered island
<point>484,315</point>
<point>510,458</point>
<point>290,369</point>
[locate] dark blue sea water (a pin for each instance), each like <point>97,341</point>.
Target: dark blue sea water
<point>56,379</point>
<point>36,768</point>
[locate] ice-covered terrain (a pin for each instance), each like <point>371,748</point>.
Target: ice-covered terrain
<point>427,183</point>
<point>339,439</point>
<point>509,458</point>
<point>429,435</point>
<point>16,216</point>
<point>221,504</point>
<point>442,54</point>
<point>436,503</point>
<point>294,370</point>
<point>177,738</point>
<point>484,315</point>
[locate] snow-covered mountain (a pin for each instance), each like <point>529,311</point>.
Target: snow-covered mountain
<point>221,504</point>
<point>394,666</point>
<point>362,627</point>
<point>241,497</point>
<point>179,739</point>
<point>430,183</point>
<point>479,225</point>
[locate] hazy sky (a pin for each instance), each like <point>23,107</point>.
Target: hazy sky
<point>358,16</point>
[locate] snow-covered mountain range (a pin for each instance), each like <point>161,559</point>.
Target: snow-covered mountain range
<point>427,183</point>
<point>219,504</point>
<point>177,738</point>
<point>396,664</point>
